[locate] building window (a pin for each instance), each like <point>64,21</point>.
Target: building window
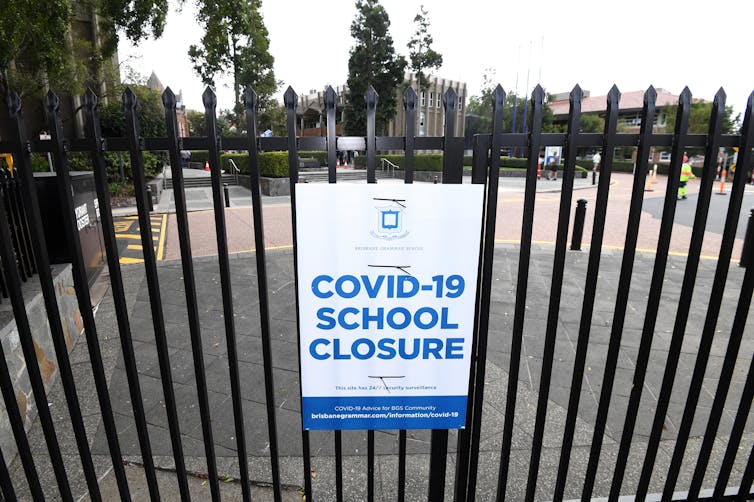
<point>431,99</point>
<point>460,103</point>
<point>423,98</point>
<point>439,101</point>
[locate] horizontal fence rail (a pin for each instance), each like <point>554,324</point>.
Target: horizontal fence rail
<point>507,445</point>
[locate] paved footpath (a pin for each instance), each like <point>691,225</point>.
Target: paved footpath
<point>277,217</point>
<point>285,363</point>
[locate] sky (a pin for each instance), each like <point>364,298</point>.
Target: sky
<point>558,44</point>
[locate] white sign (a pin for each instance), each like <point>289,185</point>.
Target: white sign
<point>387,282</point>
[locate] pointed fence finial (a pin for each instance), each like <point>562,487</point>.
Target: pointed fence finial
<point>90,100</point>
<point>330,97</point>
<point>650,95</point>
<point>450,99</point>
<point>168,98</point>
<point>209,98</point>
<point>250,99</point>
<point>52,102</point>
<point>613,97</point>
<point>371,98</point>
<point>685,97</point>
<point>129,99</point>
<point>290,98</point>
<point>538,94</point>
<point>409,99</point>
<point>498,96</point>
<point>576,94</point>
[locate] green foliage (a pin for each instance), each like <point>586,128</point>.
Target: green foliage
<point>236,39</point>
<point>699,116</point>
<point>372,61</point>
<point>271,164</point>
<point>197,125</point>
<point>150,114</point>
<point>273,117</point>
<point>421,55</point>
<point>320,156</point>
<point>39,163</point>
<point>38,49</point>
<point>592,123</point>
<point>481,107</point>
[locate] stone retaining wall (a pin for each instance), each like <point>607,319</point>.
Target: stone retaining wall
<point>45,352</point>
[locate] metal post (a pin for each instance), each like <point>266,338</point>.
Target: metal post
<point>594,177</point>
<point>150,202</point>
<point>747,249</point>
<point>227,195</point>
<point>578,225</point>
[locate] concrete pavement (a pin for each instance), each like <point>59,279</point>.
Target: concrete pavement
<point>281,289</point>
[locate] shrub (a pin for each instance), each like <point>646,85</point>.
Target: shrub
<point>319,155</point>
<point>271,164</point>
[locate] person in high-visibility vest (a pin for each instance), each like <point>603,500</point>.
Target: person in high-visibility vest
<point>686,174</point>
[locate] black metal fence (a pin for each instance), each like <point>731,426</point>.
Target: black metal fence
<point>19,247</point>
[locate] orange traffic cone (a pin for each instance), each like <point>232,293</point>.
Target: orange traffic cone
<point>345,165</point>
<point>723,175</point>
<point>337,164</point>
<point>206,165</point>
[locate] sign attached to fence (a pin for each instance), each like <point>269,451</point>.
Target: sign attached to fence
<point>387,283</point>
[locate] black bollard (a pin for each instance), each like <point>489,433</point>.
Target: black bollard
<point>748,245</point>
<point>435,180</point>
<point>578,225</point>
<point>150,202</point>
<point>227,195</point>
<point>594,177</point>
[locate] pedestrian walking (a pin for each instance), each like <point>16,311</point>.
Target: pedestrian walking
<point>596,159</point>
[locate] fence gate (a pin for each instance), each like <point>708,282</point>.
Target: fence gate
<point>593,374</point>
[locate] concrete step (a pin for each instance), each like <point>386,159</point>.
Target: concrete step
<point>341,175</point>
<point>201,181</point>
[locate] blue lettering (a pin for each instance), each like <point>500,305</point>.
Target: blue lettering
<point>313,349</point>
<point>372,289</point>
<point>362,341</point>
<point>336,350</point>
<point>402,280</point>
<point>432,346</point>
<point>356,286</point>
<point>342,318</point>
<point>453,345</point>
<point>322,315</point>
<point>315,286</point>
<point>391,318</point>
<point>418,318</point>
<point>444,324</point>
<point>386,347</point>
<point>402,349</point>
<point>379,318</point>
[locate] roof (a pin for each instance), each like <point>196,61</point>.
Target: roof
<point>154,82</point>
<point>633,100</point>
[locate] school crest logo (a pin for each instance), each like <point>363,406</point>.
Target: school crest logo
<point>391,220</point>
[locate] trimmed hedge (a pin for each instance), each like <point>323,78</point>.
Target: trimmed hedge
<point>319,155</point>
<point>271,164</point>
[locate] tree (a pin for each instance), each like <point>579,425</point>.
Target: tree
<point>480,108</point>
<point>421,55</point>
<point>699,115</point>
<point>235,38</point>
<point>372,61</point>
<point>150,114</point>
<point>39,50</point>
